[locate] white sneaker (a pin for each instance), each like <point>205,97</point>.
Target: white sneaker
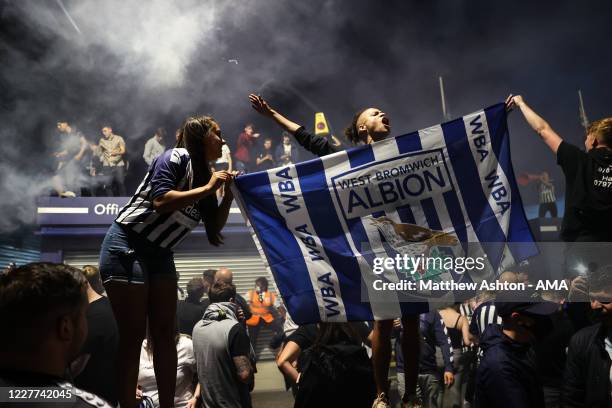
<point>67,194</point>
<point>381,401</point>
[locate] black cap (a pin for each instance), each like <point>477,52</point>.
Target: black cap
<point>507,302</point>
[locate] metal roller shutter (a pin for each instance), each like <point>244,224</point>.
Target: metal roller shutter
<point>20,256</point>
<point>246,266</point>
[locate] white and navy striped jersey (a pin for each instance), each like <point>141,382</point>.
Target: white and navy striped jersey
<point>466,311</point>
<point>170,171</point>
<point>484,315</point>
<point>547,193</point>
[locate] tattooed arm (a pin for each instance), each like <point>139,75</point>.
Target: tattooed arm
<point>244,369</point>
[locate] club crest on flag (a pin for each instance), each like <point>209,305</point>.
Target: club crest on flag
<point>443,193</point>
<point>414,242</point>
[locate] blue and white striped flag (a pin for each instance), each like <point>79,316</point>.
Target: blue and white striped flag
<point>319,225</point>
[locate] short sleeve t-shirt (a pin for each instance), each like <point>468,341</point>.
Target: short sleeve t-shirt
<point>225,155</point>
<point>266,164</point>
<point>187,315</point>
<point>304,336</point>
<point>588,193</point>
<point>101,345</point>
<point>71,143</point>
<point>107,147</point>
<point>185,373</point>
<point>239,343</point>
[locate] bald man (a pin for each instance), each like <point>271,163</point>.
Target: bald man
<point>224,274</point>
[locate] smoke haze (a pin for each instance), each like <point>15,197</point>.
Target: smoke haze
<point>140,65</point>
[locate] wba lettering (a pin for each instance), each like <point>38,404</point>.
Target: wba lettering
<point>326,286</point>
<point>498,191</point>
<point>495,186</point>
<point>308,240</point>
<point>480,140</point>
<point>329,295</point>
<point>286,187</point>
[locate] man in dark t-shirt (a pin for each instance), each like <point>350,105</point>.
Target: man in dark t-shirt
<point>588,176</point>
<point>101,345</point>
<point>265,156</point>
<point>190,310</point>
<point>588,192</point>
<point>95,368</point>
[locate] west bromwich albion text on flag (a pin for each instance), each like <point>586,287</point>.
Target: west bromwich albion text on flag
<point>447,190</point>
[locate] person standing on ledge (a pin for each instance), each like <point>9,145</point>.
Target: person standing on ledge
<point>368,126</point>
<point>137,260</point>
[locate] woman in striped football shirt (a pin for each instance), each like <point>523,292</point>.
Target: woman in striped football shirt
<point>136,258</point>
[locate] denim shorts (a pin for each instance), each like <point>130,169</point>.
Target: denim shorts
<point>126,256</point>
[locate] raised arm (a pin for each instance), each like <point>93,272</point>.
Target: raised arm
<point>537,123</point>
<point>314,144</point>
<point>261,106</point>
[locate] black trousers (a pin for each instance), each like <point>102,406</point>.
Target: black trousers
<point>546,207</point>
<point>114,181</point>
<point>254,330</point>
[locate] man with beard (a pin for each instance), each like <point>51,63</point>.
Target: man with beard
<point>43,309</point>
<point>507,374</point>
<point>587,371</point>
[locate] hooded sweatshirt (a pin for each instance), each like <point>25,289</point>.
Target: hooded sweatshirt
<point>506,376</point>
<point>212,346</point>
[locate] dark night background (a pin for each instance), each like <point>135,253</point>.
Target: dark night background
<point>139,65</point>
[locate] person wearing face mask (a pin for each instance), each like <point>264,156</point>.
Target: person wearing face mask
<point>507,375</point>
<point>262,303</point>
<point>588,375</point>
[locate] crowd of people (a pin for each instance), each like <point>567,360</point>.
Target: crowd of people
<point>83,167</point>
<point>99,169</point>
<point>553,350</point>
<point>547,349</point>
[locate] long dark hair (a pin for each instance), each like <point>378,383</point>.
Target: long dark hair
<point>334,333</point>
<point>191,136</point>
